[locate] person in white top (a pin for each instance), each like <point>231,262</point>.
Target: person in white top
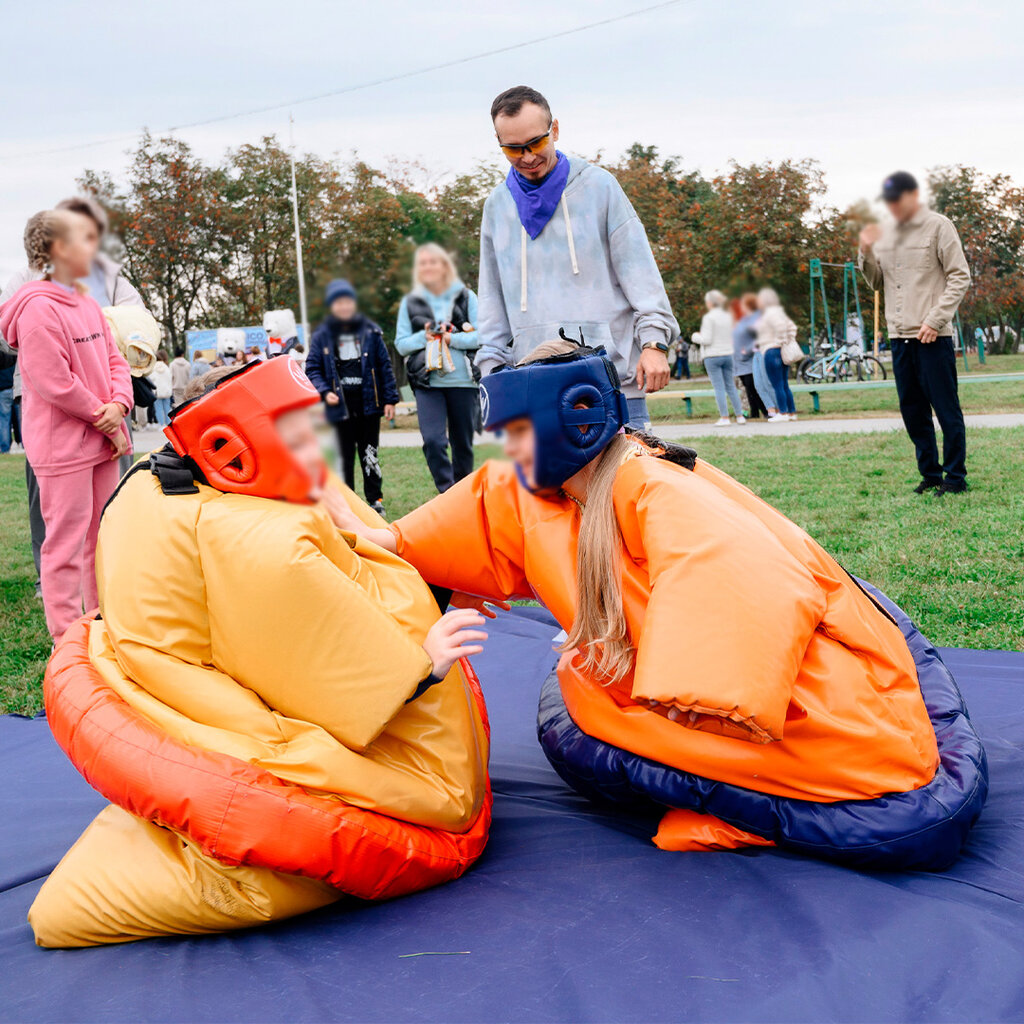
<point>161,377</point>
<point>716,350</point>
<point>773,329</point>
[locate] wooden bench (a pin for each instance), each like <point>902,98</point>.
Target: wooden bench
<point>817,390</point>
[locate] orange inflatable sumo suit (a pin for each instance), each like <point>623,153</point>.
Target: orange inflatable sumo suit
<point>250,701</point>
<point>771,668</point>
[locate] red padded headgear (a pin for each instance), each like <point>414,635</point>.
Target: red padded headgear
<point>235,421</point>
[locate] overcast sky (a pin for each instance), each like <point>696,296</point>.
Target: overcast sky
<point>863,87</point>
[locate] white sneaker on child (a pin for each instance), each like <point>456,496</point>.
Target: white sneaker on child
<point>723,422</point>
<point>741,419</point>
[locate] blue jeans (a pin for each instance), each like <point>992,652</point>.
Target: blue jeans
<point>639,417</point>
<point>778,374</point>
<point>719,370</point>
<point>6,404</point>
<point>763,384</point>
<point>162,408</point>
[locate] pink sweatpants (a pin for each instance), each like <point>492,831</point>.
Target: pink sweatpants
<point>71,504</point>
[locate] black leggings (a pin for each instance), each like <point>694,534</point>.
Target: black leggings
<point>753,398</point>
<point>361,433</point>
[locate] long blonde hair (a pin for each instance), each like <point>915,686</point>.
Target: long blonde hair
<point>599,630</point>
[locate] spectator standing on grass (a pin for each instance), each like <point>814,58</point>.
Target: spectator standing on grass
<point>717,350</point>
<point>7,363</point>
<point>349,365</point>
<point>181,374</point>
<point>919,263</point>
<point>682,359</point>
<point>107,284</point>
<point>447,399</point>
<point>162,379</point>
<point>561,247</point>
<point>744,343</point>
<point>773,329</point>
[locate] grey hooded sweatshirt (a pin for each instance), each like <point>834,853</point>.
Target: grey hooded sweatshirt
<point>591,268</point>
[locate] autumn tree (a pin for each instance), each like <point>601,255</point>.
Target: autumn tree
<point>988,213</point>
<point>168,222</point>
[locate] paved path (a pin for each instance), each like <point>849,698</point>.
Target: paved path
<point>151,438</point>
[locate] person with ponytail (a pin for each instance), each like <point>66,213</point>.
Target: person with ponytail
<point>76,393</point>
<point>788,711</point>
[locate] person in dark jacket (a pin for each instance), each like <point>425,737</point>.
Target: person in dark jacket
<point>348,364</point>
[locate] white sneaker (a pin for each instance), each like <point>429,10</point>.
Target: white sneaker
<point>792,417</point>
<point>723,422</point>
<point>775,417</point>
<point>741,420</point>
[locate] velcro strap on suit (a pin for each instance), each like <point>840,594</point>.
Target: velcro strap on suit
<point>173,472</point>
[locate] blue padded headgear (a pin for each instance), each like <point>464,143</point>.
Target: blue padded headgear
<point>547,393</point>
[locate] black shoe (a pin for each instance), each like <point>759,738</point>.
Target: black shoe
<point>927,485</point>
<point>945,489</point>
<point>378,507</point>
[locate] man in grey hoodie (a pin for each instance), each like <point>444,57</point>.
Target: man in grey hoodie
<point>561,246</point>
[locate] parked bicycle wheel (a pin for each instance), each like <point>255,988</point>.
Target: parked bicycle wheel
<point>869,368</point>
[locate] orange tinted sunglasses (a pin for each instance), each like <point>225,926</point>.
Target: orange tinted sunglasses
<point>537,145</point>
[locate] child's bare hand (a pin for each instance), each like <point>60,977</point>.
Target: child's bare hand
<point>108,417</point>
<point>480,604</point>
<point>338,509</point>
<point>453,637</point>
<point>119,443</point>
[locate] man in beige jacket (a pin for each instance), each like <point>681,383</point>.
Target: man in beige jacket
<point>920,263</point>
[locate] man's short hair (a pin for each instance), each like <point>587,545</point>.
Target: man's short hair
<point>511,101</point>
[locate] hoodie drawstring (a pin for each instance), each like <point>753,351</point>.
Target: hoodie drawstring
<point>568,235</point>
<point>522,254</point>
<point>522,272</point>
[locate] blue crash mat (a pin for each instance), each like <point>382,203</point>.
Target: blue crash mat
<point>571,915</point>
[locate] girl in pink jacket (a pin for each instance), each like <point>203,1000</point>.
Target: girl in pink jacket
<point>76,391</point>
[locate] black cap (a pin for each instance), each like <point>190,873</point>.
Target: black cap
<point>896,184</point>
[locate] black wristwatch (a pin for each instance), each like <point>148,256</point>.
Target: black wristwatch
<point>661,346</point>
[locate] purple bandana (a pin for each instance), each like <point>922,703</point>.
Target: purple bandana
<point>537,201</point>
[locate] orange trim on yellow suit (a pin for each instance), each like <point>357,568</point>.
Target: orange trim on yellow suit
<point>247,687</point>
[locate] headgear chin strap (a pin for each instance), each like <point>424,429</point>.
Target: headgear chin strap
<point>574,403</point>
<point>229,432</point>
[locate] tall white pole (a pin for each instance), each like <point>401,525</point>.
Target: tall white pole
<point>298,237</point>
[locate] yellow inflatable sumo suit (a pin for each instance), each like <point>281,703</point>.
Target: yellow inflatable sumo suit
<point>248,647</point>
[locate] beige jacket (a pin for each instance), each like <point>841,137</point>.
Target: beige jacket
<point>922,267</point>
<point>773,329</point>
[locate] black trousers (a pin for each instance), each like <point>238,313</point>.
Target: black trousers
<point>753,398</point>
<point>362,434</point>
<point>448,415</point>
<point>925,381</point>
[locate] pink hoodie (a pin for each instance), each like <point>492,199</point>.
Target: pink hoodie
<point>70,366</point>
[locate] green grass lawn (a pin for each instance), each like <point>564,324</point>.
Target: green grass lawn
<point>956,565</point>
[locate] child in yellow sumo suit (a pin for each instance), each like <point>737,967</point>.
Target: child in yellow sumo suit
<point>298,661</point>
<point>784,678</point>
